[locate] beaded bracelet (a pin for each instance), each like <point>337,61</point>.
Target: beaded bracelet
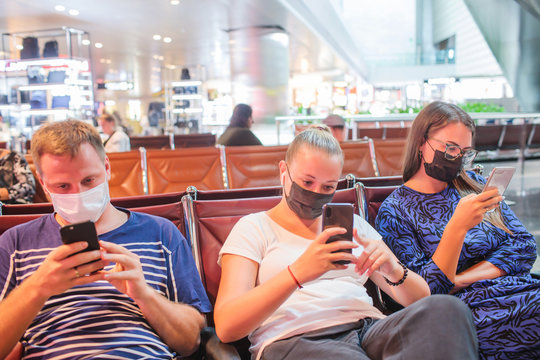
<point>294,277</point>
<point>405,272</point>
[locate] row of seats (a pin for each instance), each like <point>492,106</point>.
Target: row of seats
<point>495,140</point>
<point>206,218</point>
<point>142,172</point>
<point>171,141</point>
<point>492,140</point>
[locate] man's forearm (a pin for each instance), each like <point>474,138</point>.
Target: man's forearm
<point>17,311</point>
<point>179,325</point>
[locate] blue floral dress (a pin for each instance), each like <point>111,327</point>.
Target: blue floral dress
<point>506,309</point>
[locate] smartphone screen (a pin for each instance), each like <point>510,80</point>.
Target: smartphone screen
<point>499,178</point>
<point>339,215</point>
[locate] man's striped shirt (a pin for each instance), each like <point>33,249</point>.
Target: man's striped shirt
<point>96,320</point>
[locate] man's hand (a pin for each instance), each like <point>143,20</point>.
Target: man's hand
<point>61,269</point>
<point>127,275</point>
<point>177,324</point>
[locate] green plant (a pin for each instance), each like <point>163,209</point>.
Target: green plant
<point>481,107</point>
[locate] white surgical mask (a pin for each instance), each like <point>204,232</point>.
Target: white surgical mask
<point>84,206</point>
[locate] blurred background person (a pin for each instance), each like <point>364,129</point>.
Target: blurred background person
<point>17,184</point>
<point>238,132</point>
<point>117,140</point>
<point>337,126</point>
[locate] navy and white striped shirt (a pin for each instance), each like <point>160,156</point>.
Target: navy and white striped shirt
<point>96,320</point>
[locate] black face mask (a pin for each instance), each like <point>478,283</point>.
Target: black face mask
<point>442,168</point>
<point>304,203</point>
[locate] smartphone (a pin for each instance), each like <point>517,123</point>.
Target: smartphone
<point>499,177</point>
<point>339,215</point>
<point>82,231</point>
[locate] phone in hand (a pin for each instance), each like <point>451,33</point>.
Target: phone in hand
<point>82,231</point>
<point>499,177</point>
<point>339,215</point>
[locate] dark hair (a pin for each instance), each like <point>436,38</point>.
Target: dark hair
<point>240,116</point>
<point>434,117</point>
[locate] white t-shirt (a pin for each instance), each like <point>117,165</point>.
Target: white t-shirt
<point>337,297</point>
<point>118,142</point>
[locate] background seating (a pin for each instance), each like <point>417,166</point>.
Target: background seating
<point>253,166</point>
<point>126,174</point>
<point>389,156</point>
<point>163,171</point>
<point>173,141</point>
<point>358,158</point>
<point>150,142</point>
<point>174,170</point>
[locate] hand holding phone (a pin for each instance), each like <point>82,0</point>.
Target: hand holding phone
<point>499,178</point>
<point>83,231</point>
<point>339,215</point>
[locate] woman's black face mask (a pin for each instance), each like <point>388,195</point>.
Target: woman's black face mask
<point>443,169</point>
<point>304,203</point>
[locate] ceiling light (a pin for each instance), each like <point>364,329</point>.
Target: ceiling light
<point>73,12</point>
<point>167,39</point>
<point>175,2</point>
<point>156,37</point>
<point>98,45</point>
<point>60,8</point>
<point>86,42</point>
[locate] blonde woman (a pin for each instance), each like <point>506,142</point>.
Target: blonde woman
<point>281,286</point>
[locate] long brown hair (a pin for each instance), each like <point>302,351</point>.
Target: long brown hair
<point>434,117</point>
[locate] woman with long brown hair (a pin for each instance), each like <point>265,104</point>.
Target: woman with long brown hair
<point>462,240</point>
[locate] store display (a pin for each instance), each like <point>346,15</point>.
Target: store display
<point>36,74</point>
<point>50,49</point>
<point>30,48</point>
<point>184,103</point>
<point>60,101</point>
<point>52,88</point>
<point>38,99</point>
<point>56,77</point>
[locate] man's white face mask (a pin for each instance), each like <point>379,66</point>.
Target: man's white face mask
<point>84,206</point>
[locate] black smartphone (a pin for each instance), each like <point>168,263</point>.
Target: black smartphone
<point>500,177</point>
<point>82,231</point>
<point>339,215</point>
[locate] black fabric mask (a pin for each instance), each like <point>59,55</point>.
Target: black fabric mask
<point>304,203</point>
<point>442,168</point>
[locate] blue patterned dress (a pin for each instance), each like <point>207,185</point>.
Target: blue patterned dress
<point>506,309</point>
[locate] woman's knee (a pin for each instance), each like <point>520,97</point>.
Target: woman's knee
<point>441,307</point>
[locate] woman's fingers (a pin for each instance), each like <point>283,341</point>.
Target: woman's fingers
<point>328,232</point>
